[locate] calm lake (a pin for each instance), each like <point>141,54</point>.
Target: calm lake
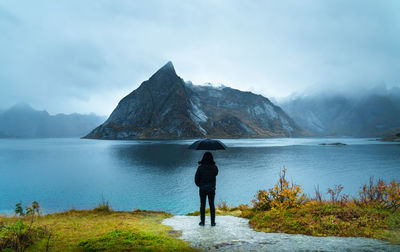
<point>159,175</point>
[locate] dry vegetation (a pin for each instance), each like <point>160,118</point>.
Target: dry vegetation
<point>284,208</point>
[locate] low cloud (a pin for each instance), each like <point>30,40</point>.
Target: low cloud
<point>83,56</point>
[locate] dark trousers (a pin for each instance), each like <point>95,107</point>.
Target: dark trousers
<point>211,196</point>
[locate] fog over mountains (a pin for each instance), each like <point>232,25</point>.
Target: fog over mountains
<point>359,112</point>
<point>22,121</point>
<point>165,106</point>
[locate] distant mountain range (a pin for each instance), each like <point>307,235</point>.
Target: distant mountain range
<point>365,113</point>
<point>22,121</point>
<point>167,107</point>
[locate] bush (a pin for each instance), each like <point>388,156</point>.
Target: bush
<point>336,198</point>
<point>223,205</point>
<point>381,195</point>
<point>19,236</point>
<point>103,206</point>
<point>281,196</point>
<point>285,209</point>
<point>318,194</point>
<point>393,195</point>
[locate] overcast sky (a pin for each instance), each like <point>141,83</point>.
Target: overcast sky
<point>84,56</point>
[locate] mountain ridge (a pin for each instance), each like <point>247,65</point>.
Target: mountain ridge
<point>167,107</point>
<point>23,121</point>
<point>364,113</point>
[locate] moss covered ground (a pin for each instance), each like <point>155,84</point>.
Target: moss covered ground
<point>322,219</point>
<point>103,230</point>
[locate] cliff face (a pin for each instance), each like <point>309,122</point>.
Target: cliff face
<point>165,107</point>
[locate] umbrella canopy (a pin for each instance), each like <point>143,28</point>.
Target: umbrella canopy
<point>207,144</point>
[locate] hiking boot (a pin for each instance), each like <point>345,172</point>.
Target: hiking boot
<point>213,224</point>
<point>201,223</point>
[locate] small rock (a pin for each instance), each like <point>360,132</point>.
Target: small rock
<point>337,143</point>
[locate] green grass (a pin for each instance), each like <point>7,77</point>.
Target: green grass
<point>119,240</point>
<point>325,219</point>
<point>103,229</point>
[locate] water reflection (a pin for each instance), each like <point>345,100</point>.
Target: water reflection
<point>154,157</point>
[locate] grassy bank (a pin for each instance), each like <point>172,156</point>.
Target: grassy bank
<point>100,229</point>
<point>285,209</point>
<point>322,219</point>
<point>329,219</point>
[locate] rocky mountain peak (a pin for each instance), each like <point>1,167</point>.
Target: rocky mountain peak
<point>165,107</point>
<point>165,72</point>
<point>169,65</point>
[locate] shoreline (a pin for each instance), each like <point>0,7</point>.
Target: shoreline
<point>67,224</point>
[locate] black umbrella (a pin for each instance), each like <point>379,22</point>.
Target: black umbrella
<point>207,144</point>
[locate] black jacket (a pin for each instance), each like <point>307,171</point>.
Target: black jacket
<point>206,176</point>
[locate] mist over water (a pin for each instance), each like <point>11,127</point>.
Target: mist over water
<point>73,173</point>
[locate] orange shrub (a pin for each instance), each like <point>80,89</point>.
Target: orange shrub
<point>393,195</point>
<point>282,196</point>
<point>381,195</point>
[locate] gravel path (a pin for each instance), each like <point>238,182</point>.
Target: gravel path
<point>234,234</point>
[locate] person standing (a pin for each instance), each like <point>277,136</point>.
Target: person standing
<point>205,179</point>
